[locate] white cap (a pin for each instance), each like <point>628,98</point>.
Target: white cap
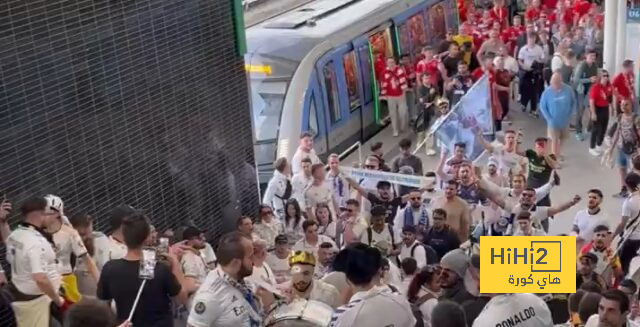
<point>365,308</point>
<point>54,204</point>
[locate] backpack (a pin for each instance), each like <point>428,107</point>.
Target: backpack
<point>431,254</point>
<point>286,195</point>
<point>370,236</point>
<point>415,308</point>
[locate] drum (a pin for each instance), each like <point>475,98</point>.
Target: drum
<point>300,313</point>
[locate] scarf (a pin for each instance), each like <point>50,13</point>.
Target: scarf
<point>408,217</point>
<point>248,295</point>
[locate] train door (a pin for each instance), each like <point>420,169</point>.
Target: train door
<point>367,83</point>
<point>337,72</point>
<point>381,47</point>
<point>313,116</point>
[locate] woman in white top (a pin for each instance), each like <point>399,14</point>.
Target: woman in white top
<point>293,219</point>
<point>424,290</point>
<point>326,224</point>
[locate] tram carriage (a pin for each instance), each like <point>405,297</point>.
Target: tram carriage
<point>314,69</point>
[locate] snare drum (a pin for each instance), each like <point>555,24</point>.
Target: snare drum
<point>300,313</point>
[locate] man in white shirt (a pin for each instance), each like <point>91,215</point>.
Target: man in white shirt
<point>36,278</point>
<point>415,213</point>
<point>305,150</point>
<point>268,227</point>
<point>311,240</point>
<point>629,225</point>
<point>411,248</point>
<point>326,252</point>
<point>193,265</point>
<point>279,188</point>
<point>262,273</point>
<point>380,234</point>
<point>67,242</point>
<point>523,219</point>
<point>587,219</point>
<point>318,192</point>
<point>301,181</point>
<point>524,309</point>
<point>278,259</point>
<point>370,305</point>
<point>336,182</point>
<point>530,53</point>
<point>224,299</point>
<point>113,247</point>
<point>509,161</point>
<point>304,286</point>
<point>529,57</point>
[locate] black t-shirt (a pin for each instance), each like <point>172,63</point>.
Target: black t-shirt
<point>539,169</point>
<point>391,205</point>
<point>119,282</point>
<point>442,241</point>
<point>451,65</point>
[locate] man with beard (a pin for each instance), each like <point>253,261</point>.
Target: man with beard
<point>69,247</point>
<point>586,265</point>
<point>613,311</point>
<point>304,286</point>
<point>440,236</point>
<point>458,213</point>
<point>325,260</point>
<point>509,161</point>
<point>411,248</point>
<point>454,267</point>
<point>384,198</point>
<point>587,219</point>
<point>83,224</point>
<point>193,265</point>
<point>608,264</point>
<point>415,214</point>
<point>224,299</point>
<point>468,190</point>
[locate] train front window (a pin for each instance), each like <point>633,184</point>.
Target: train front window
<point>270,78</point>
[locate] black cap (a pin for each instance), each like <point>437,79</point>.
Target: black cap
<point>591,257</point>
<point>191,232</point>
<point>281,239</point>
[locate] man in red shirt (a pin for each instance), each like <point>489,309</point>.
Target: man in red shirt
<point>624,86</point>
<point>500,14</point>
<point>533,11</point>
<point>562,14</point>
<point>550,4</point>
<point>394,84</point>
<point>428,65</point>
<point>599,96</point>
<point>510,35</point>
<point>581,7</point>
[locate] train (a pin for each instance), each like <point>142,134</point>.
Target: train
<point>315,68</point>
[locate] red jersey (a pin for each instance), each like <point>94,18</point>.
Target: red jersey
<point>550,4</point>
<point>500,15</point>
<point>623,85</point>
<point>429,67</point>
<point>510,36</point>
<point>565,17</point>
<point>462,10</point>
<point>410,73</point>
<point>600,94</point>
<point>599,20</point>
<point>394,82</point>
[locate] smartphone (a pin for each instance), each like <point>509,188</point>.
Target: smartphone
<point>148,263</point>
<point>163,245</point>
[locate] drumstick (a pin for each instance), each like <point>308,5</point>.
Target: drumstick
<point>135,303</point>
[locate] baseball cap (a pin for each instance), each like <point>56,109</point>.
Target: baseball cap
<point>191,232</point>
<point>627,63</point>
<point>591,257</point>
<point>281,239</point>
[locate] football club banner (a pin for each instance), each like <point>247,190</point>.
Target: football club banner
<point>471,112</point>
<point>393,178</point>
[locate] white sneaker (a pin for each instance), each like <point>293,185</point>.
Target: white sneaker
<point>599,149</point>
<point>395,134</point>
<point>594,152</point>
<point>431,152</point>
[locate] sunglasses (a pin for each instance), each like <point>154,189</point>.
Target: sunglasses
<point>266,213</point>
<point>607,76</point>
<point>370,166</point>
<point>414,198</point>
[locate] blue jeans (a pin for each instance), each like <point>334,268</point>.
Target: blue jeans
<point>582,102</point>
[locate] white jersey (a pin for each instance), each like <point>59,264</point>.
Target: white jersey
<point>586,222</point>
<point>507,161</point>
<point>193,266</point>
<point>280,267</point>
<point>376,307</point>
<point>218,303</point>
<point>325,293</point>
<point>296,161</point>
<point>631,209</point>
<point>208,255</point>
<point>108,248</point>
<point>522,310</point>
<point>67,241</point>
<point>302,245</point>
<point>268,231</point>
<point>29,253</point>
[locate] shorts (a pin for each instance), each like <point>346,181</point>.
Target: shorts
<point>558,134</point>
<point>623,159</point>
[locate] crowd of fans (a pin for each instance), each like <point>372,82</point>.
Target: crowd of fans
<point>373,252</point>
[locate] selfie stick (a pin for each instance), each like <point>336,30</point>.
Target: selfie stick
<point>135,303</point>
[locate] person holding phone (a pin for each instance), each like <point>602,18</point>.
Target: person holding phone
<point>122,278</point>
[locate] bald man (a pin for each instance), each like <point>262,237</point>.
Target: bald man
<point>557,105</point>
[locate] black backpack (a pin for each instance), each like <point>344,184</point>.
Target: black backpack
<point>286,195</point>
<point>415,308</point>
<point>370,235</point>
<point>431,254</point>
